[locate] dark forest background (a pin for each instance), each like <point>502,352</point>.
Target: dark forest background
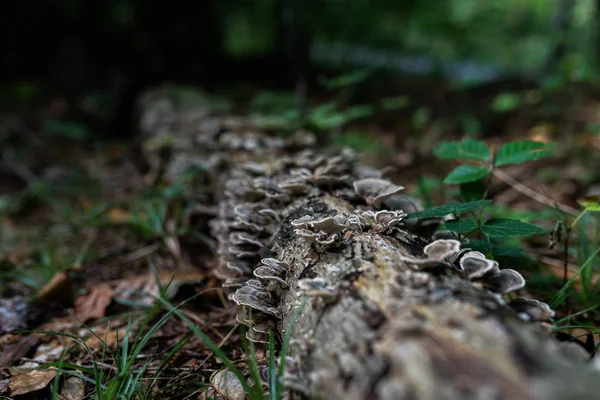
<point>113,49</point>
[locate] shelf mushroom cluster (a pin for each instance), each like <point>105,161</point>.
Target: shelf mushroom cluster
<point>473,265</point>
<point>323,231</point>
<point>248,219</point>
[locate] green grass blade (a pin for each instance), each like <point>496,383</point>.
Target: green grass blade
<point>250,350</point>
<point>209,343</point>
<point>286,343</point>
<point>575,315</point>
<point>272,369</point>
<point>561,295</point>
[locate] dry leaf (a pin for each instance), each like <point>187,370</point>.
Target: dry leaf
<point>30,381</point>
<point>57,289</point>
<point>15,351</point>
<point>118,215</point>
<point>93,304</point>
<point>143,290</point>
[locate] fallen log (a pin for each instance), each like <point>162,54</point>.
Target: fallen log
<point>389,314</point>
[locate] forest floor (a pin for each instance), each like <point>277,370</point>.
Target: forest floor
<point>90,238</point>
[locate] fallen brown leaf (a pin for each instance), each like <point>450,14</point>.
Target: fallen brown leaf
<point>93,304</point>
<point>118,215</point>
<point>143,290</point>
<point>30,381</point>
<point>18,350</point>
<point>57,289</point>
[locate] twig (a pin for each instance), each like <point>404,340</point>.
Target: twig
<point>540,198</point>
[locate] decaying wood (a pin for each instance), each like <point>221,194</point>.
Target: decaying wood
<point>383,320</point>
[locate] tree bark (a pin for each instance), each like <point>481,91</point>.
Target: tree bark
<point>379,321</point>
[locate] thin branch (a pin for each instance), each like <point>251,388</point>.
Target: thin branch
<point>537,196</point>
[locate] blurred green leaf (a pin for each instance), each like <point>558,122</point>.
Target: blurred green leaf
<point>395,103</point>
<point>328,117</point>
<point>360,141</point>
<point>470,124</point>
<point>472,191</point>
<point>521,151</point>
<point>348,79</point>
<point>505,102</point>
<point>466,173</point>
<point>421,117</point>
<point>505,227</point>
<point>463,225</point>
<point>466,149</point>
<point>505,251</point>
<point>473,205</point>
<point>454,207</point>
<point>67,130</point>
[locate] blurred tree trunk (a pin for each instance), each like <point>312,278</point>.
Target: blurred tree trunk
<point>559,30</point>
<point>293,42</point>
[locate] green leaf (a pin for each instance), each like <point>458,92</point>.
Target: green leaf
<point>68,130</point>
<point>466,149</point>
<point>505,251</point>
<point>473,205</point>
<point>471,191</point>
<point>466,173</point>
<point>328,117</point>
<point>454,207</point>
<point>433,212</point>
<point>464,225</point>
<point>395,102</point>
<point>521,151</point>
<point>505,102</point>
<point>505,227</point>
<point>479,245</point>
<point>349,79</point>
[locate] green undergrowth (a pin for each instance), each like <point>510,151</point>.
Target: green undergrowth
<point>130,379</point>
<point>74,213</point>
<point>501,233</point>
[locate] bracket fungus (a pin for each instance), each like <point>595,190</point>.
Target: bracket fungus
<point>254,294</point>
<point>505,281</point>
<point>324,231</point>
<point>329,225</point>
<point>476,267</point>
<point>272,269</point>
<point>375,191</point>
<point>387,220</point>
<point>436,254</point>
<point>531,309</point>
<point>473,266</point>
<point>244,239</point>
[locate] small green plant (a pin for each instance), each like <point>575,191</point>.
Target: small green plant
<point>484,161</point>
<point>586,257</point>
<point>474,177</point>
<point>465,227</point>
<point>128,381</point>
